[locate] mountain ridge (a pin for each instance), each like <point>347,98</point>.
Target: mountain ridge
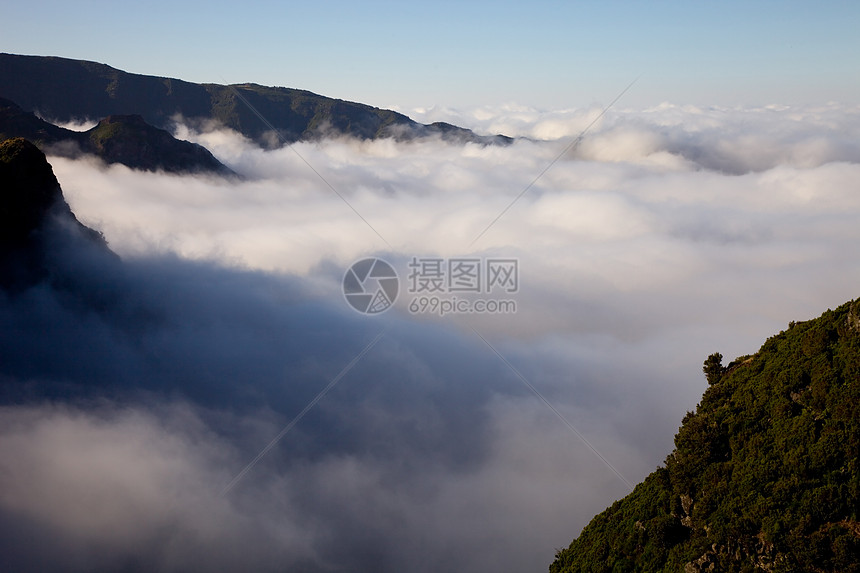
<point>65,89</point>
<point>125,139</point>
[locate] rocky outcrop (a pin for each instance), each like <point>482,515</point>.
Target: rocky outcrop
<point>129,140</point>
<point>124,139</point>
<point>33,216</point>
<point>29,190</point>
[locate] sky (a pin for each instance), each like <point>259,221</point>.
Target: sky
<point>407,55</point>
<point>712,205</point>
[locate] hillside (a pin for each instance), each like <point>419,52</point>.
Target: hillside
<point>764,476</point>
<point>64,89</point>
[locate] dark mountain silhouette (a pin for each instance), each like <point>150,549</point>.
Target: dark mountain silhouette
<point>116,139</point>
<point>64,90</point>
<point>765,475</point>
<point>34,218</point>
<point>15,122</point>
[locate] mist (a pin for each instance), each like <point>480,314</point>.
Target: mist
<point>142,387</point>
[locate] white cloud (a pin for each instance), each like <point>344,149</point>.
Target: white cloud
<point>669,199</point>
<point>667,234</point>
<point>119,486</point>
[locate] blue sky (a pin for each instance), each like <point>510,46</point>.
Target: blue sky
<point>457,54</point>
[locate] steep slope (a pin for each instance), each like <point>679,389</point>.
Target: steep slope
<point>34,217</point>
<point>28,192</point>
<point>765,475</point>
<point>64,89</point>
<point>117,139</point>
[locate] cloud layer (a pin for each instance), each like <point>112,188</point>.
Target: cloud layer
<point>140,388</point>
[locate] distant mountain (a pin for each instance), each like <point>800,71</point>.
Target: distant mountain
<point>116,139</point>
<point>64,90</point>
<point>765,475</point>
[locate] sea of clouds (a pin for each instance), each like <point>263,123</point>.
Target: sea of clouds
<point>661,236</point>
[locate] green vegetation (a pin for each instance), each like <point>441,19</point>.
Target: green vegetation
<point>764,476</point>
<point>713,368</point>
